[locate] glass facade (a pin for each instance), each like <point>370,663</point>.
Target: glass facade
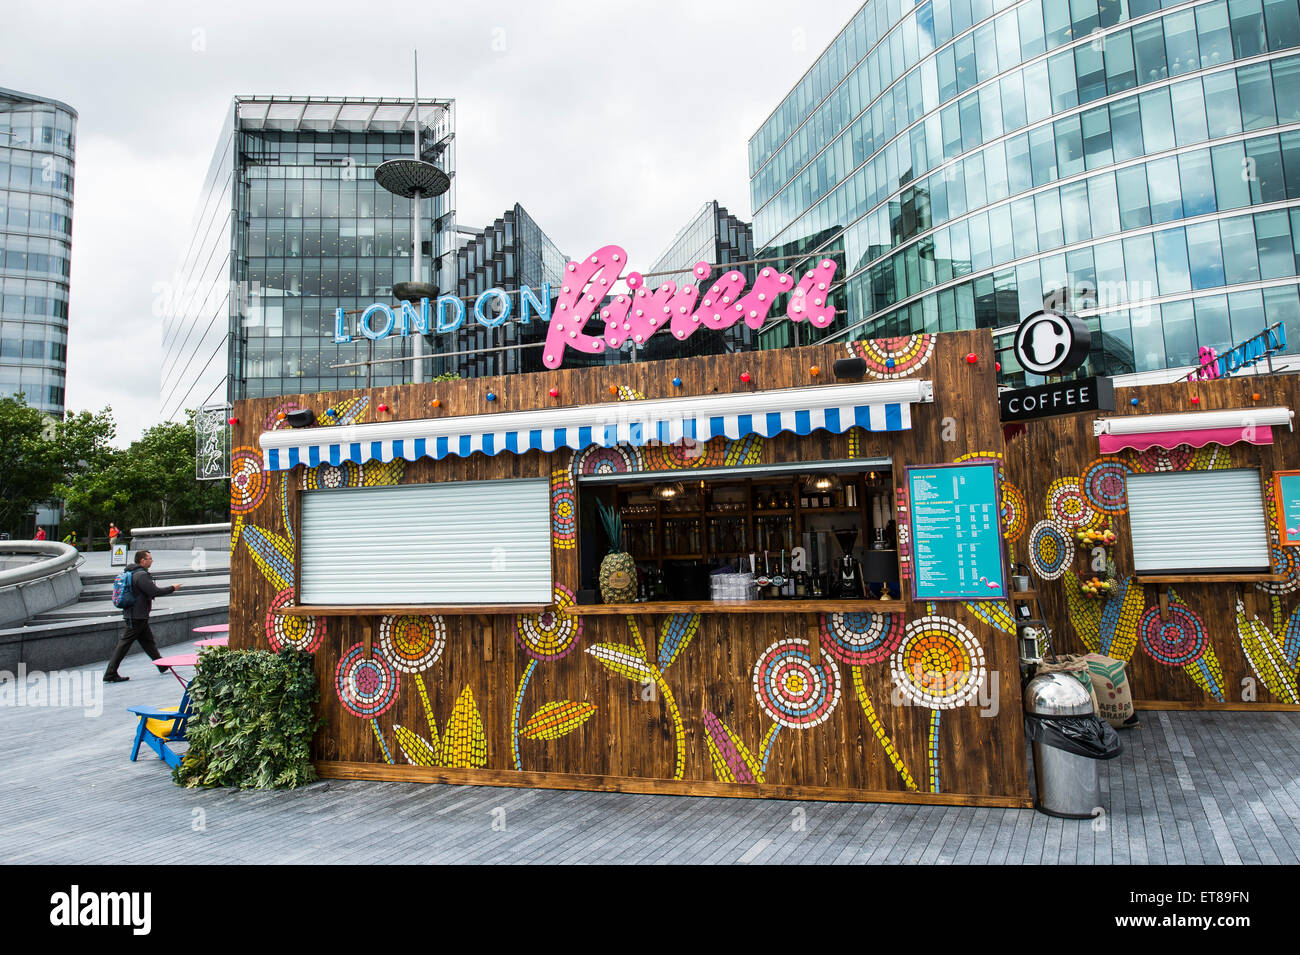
<point>290,226</point>
<point>966,160</point>
<point>715,236</point>
<point>37,141</point>
<point>511,252</point>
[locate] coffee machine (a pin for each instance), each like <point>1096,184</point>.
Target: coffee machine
<point>846,581</point>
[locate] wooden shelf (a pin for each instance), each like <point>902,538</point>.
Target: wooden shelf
<point>1210,578</point>
<point>1023,596</point>
<point>740,606</point>
<point>301,610</point>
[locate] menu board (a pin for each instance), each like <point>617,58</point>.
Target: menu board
<point>1286,492</point>
<point>957,543</point>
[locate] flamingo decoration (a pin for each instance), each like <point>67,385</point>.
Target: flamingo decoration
<point>991,585</point>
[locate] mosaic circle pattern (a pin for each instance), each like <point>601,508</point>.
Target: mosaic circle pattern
<point>248,483</point>
<point>564,511</point>
<point>328,477</point>
<point>1175,642</point>
<point>366,687</point>
<point>1068,505</point>
<point>1104,484</point>
<point>939,664</point>
<point>859,639</point>
<point>1051,550</point>
<point>598,460</point>
<point>549,635</point>
<point>1162,459</point>
<point>894,357</point>
<point>412,643</point>
<point>1015,515</point>
<point>685,455</point>
<point>791,689</point>
<point>298,633</point>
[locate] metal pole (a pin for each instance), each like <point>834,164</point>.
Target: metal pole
<point>417,367</point>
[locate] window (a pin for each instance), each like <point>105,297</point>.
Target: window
<point>1198,521</point>
<point>406,545</point>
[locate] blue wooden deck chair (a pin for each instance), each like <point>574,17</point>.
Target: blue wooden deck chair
<point>161,726</point>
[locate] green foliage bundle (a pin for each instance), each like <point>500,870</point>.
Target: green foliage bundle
<point>254,720</point>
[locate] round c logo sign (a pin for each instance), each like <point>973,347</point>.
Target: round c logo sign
<point>1049,343</point>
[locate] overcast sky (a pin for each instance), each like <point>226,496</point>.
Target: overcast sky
<point>608,121</point>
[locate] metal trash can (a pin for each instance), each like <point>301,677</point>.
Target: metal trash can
<point>1068,738</point>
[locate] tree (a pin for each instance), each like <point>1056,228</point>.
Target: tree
<point>30,465</point>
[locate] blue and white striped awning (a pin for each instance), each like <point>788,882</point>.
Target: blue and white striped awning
<point>873,406</point>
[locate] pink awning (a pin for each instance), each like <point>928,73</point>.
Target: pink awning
<point>1199,438</point>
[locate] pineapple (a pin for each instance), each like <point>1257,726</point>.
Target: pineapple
<point>618,569</point>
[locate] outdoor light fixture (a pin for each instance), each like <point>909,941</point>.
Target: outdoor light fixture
<point>301,419</point>
<point>850,368</point>
<point>669,492</point>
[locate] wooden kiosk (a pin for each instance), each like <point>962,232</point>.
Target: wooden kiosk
<point>491,660</point>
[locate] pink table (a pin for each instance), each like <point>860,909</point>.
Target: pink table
<point>214,628</point>
<point>213,642</point>
<point>179,660</point>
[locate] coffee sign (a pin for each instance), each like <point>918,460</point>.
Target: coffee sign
<point>1062,397</point>
<point>1050,343</point>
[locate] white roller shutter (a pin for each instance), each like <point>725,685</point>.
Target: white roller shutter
<point>481,542</point>
<point>1188,521</point>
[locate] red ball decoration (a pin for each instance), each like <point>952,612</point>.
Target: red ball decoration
<point>997,366</point>
<point>383,407</point>
<point>744,376</point>
<point>1195,400</point>
<point>232,421</point>
<point>972,358</point>
<point>555,392</point>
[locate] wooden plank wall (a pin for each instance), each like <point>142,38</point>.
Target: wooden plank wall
<point>1244,661</point>
<point>651,737</point>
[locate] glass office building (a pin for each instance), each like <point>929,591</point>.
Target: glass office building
<point>715,236</point>
<point>966,160</point>
<point>511,252</point>
<point>37,140</point>
<point>290,226</point>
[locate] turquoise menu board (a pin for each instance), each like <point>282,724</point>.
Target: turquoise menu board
<point>1286,486</point>
<point>957,546</point>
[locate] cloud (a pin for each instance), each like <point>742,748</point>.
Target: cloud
<point>607,122</point>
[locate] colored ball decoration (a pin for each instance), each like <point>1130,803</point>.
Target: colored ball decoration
<point>815,370</point>
<point>248,483</point>
<point>889,363</point>
<point>381,407</point>
<point>549,635</point>
<point>1175,642</point>
<point>366,687</point>
<point>1195,400</point>
<point>297,633</point>
<point>280,416</point>
<point>791,689</point>
<point>613,389</point>
<point>997,366</point>
<point>744,376</point>
<point>972,358</point>
<point>1133,402</point>
<point>491,396</point>
<point>436,402</point>
<point>1051,550</point>
<point>860,639</point>
<point>677,382</point>
<point>412,643</point>
<point>232,421</point>
<point>939,664</point>
<point>554,392</point>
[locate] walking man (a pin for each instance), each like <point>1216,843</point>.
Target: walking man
<point>137,616</point>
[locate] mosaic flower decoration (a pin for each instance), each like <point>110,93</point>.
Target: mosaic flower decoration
<point>861,639</point>
<point>791,689</point>
<point>412,643</point>
<point>298,633</point>
<point>1068,505</point>
<point>939,664</point>
<point>1105,484</point>
<point>549,635</point>
<point>1051,550</point>
<point>248,482</point>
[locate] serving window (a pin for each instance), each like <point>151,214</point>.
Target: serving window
<point>796,522</point>
<point>478,542</point>
<point>1198,522</point>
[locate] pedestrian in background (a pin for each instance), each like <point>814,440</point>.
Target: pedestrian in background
<point>137,616</point>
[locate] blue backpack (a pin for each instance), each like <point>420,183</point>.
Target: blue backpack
<point>123,592</point>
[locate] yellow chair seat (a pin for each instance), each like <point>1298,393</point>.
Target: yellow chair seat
<point>161,728</point>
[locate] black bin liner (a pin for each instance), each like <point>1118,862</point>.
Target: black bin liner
<point>1081,735</point>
